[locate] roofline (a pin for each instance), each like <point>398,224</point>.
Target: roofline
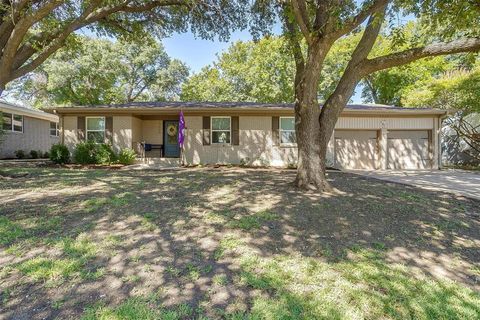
<point>13,108</point>
<point>166,110</point>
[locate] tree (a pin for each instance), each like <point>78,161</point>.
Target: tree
<point>261,71</point>
<point>31,31</point>
<point>455,90</point>
<point>321,23</point>
<point>104,72</point>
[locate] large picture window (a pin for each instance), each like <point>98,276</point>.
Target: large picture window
<point>54,129</point>
<point>221,129</point>
<point>96,129</point>
<point>287,131</point>
<point>12,122</point>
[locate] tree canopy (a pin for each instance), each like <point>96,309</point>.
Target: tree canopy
<point>261,71</point>
<point>31,31</point>
<point>99,71</point>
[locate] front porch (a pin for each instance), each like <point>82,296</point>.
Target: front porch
<point>155,139</point>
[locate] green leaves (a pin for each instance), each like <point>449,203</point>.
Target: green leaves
<point>98,71</point>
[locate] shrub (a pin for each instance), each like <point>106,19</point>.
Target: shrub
<point>105,154</point>
<point>34,154</point>
<point>127,156</point>
<point>59,154</point>
<point>93,153</point>
<point>46,155</point>
<point>85,153</point>
<point>20,154</point>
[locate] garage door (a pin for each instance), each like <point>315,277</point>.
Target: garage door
<point>408,150</point>
<point>355,149</point>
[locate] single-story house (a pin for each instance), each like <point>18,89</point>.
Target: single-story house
<point>26,129</point>
<point>366,136</point>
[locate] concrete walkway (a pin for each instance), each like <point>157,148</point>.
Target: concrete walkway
<point>462,182</point>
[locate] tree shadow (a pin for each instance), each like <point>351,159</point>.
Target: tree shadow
<point>181,236</point>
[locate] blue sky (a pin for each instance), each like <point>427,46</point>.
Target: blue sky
<point>197,53</point>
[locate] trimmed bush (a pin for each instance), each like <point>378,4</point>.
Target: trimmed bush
<point>20,154</point>
<point>105,154</point>
<point>46,155</point>
<point>34,154</point>
<point>93,153</point>
<point>85,153</point>
<point>59,154</point>
<point>127,156</point>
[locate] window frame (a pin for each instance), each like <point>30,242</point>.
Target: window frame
<point>57,129</point>
<point>12,124</point>
<point>229,130</point>
<point>87,130</point>
<point>287,144</point>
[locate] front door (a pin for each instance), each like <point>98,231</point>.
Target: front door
<point>170,138</point>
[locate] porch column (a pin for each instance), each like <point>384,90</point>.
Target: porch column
<point>382,149</point>
<point>436,144</point>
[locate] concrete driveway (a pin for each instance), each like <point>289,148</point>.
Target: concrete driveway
<point>466,183</point>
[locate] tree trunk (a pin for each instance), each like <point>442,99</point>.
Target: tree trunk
<point>311,159</point>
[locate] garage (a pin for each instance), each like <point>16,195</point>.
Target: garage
<point>409,149</point>
<point>355,149</point>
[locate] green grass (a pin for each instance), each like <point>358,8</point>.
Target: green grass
<point>9,231</point>
<point>75,255</point>
<point>362,288</point>
<point>253,221</point>
<point>138,308</point>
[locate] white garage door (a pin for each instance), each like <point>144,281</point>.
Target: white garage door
<point>355,149</point>
<point>408,150</point>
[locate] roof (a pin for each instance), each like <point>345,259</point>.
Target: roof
<point>24,111</point>
<point>135,107</point>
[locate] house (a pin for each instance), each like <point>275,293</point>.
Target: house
<point>365,137</point>
<point>26,129</point>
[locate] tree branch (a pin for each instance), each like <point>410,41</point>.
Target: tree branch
<point>376,6</point>
<point>301,16</point>
<point>407,56</point>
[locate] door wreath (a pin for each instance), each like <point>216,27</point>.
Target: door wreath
<point>172,130</point>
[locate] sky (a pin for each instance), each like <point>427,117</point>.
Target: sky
<point>197,53</point>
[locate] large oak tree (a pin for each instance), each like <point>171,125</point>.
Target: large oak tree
<point>32,30</point>
<point>453,27</point>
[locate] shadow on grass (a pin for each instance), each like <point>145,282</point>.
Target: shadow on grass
<point>167,237</point>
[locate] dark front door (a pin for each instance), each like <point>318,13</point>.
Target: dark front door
<point>170,138</point>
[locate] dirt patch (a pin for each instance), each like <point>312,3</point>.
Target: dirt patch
<point>219,239</point>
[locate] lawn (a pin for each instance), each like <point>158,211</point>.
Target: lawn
<point>232,243</point>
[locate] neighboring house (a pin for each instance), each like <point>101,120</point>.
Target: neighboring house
<point>26,129</point>
<point>455,150</point>
<point>366,136</point>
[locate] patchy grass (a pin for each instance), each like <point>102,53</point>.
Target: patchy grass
<point>232,244</point>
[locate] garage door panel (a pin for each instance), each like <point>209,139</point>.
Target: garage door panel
<point>408,150</point>
<point>355,149</point>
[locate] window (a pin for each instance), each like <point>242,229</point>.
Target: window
<point>54,129</point>
<point>287,130</point>
<point>7,121</point>
<point>96,129</point>
<point>12,122</point>
<point>221,129</point>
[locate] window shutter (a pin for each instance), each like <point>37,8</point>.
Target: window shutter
<point>276,131</point>
<point>109,129</point>
<point>206,131</point>
<point>235,131</point>
<point>81,128</point>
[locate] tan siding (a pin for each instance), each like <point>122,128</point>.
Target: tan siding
<point>152,131</point>
<point>35,136</point>
<point>122,132</point>
<point>136,132</point>
<point>389,123</point>
<point>69,133</point>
